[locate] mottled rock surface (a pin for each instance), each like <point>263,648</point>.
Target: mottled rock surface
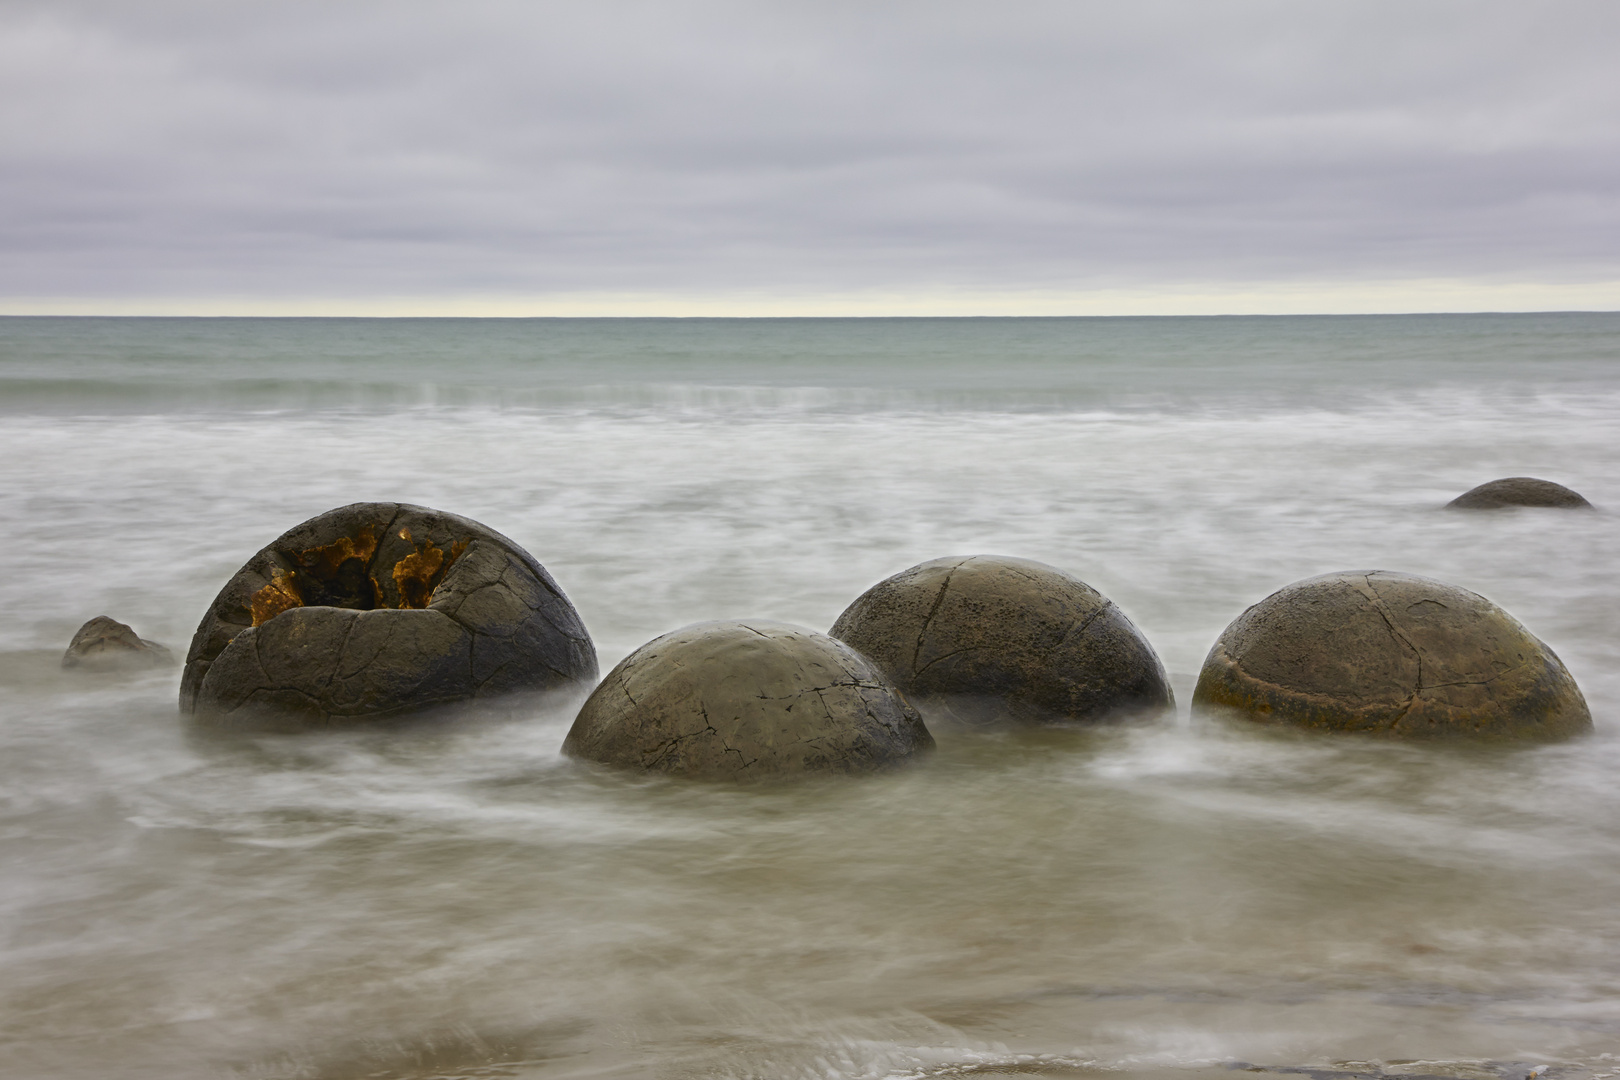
<point>1393,654</point>
<point>105,644</point>
<point>986,637</point>
<point>1518,491</point>
<point>755,700</point>
<point>375,609</point>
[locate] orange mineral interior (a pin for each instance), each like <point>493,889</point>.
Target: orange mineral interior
<point>341,574</point>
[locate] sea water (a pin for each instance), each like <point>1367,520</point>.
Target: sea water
<point>458,900</point>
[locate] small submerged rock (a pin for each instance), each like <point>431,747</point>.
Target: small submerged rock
<point>747,701</point>
<point>105,644</point>
<point>1392,654</point>
<point>1518,491</point>
<point>376,609</point>
<point>986,637</point>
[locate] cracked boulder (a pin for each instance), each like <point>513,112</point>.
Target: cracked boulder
<point>1392,654</point>
<point>105,644</point>
<point>1518,491</point>
<point>986,639</point>
<point>376,609</point>
<point>756,700</point>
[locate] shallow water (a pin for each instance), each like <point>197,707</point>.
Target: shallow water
<point>458,900</point>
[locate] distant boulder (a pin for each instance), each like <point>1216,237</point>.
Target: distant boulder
<point>1518,491</point>
<point>105,644</point>
<point>987,638</point>
<point>1389,654</point>
<point>747,701</point>
<point>376,609</point>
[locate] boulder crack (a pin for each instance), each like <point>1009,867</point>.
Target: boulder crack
<point>1394,631</point>
<point>1079,627</point>
<point>939,600</point>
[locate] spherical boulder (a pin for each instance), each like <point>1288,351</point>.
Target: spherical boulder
<point>105,644</point>
<point>376,609</point>
<point>984,638</point>
<point>1392,654</point>
<point>1518,491</point>
<point>746,701</point>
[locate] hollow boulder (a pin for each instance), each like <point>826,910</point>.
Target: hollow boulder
<point>747,701</point>
<point>986,637</point>
<point>1518,491</point>
<point>105,644</point>
<point>1392,654</point>
<point>376,609</point>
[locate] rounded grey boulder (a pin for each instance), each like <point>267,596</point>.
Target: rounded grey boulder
<point>376,609</point>
<point>987,637</point>
<point>1393,654</point>
<point>746,701</point>
<point>105,644</point>
<point>1518,491</point>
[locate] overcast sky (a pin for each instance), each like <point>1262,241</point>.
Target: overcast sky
<point>714,157</point>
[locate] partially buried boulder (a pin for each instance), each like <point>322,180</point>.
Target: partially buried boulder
<point>1518,491</point>
<point>985,637</point>
<point>746,701</point>
<point>1392,654</point>
<point>376,609</point>
<point>105,644</point>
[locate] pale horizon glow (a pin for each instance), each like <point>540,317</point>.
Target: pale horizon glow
<point>1372,298</point>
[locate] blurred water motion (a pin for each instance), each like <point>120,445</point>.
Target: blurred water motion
<point>434,901</point>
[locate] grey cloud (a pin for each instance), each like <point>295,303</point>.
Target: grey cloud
<point>370,148</point>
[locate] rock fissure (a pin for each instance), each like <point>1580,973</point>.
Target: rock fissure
<point>939,601</point>
<point>942,658</point>
<point>1276,688</point>
<point>1472,682</point>
<point>1079,627</point>
<point>337,663</point>
<point>1405,708</point>
<point>1394,631</point>
<point>799,693</point>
